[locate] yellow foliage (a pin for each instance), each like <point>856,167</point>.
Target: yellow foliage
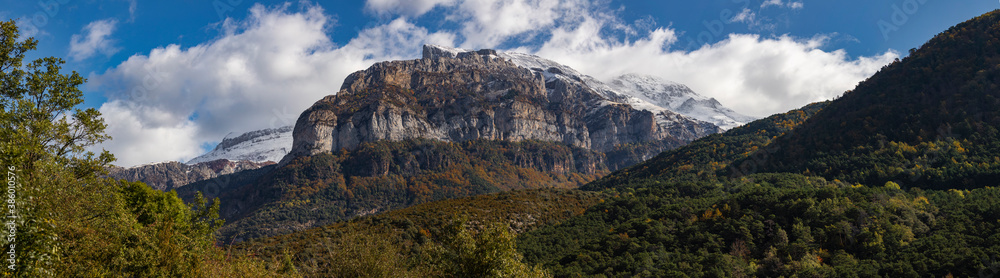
<point>957,146</point>
<point>959,192</point>
<point>892,185</point>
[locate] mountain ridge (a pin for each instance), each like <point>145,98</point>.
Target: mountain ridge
<point>166,176</point>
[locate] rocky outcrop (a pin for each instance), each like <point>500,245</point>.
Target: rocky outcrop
<point>169,175</point>
<point>454,95</point>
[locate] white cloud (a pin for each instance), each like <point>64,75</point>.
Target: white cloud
<point>750,74</point>
<point>27,28</point>
<point>261,73</point>
<point>746,16</point>
<point>94,39</point>
<point>131,10</point>
<point>487,23</point>
<point>781,4</point>
<point>147,139</point>
<point>754,21</point>
<point>405,7</point>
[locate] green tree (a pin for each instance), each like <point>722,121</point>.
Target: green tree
<point>490,252</point>
<point>44,139</point>
<point>70,220</point>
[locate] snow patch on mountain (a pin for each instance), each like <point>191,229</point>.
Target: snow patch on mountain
<point>643,92</point>
<point>678,98</point>
<point>257,146</point>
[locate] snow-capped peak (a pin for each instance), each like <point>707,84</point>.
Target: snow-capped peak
<point>664,93</point>
<point>643,92</point>
<point>257,146</point>
<point>679,98</point>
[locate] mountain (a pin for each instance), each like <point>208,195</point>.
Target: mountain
<point>258,146</point>
<point>452,124</point>
<point>894,179</point>
<point>455,95</point>
<point>248,151</point>
<point>170,175</point>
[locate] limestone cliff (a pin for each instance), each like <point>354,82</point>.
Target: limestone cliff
<point>457,96</point>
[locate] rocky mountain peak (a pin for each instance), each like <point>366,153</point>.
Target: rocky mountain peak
<point>459,95</point>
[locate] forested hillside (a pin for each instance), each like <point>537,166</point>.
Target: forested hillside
<point>415,241</point>
<point>385,175</point>
<point>927,121</point>
<point>775,225</point>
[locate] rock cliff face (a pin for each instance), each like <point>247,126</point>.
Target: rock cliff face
<point>454,95</point>
<point>169,175</point>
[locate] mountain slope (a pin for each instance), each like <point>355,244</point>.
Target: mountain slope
<point>716,155</point>
<point>402,236</point>
<point>928,121</point>
<point>385,175</point>
<point>248,151</point>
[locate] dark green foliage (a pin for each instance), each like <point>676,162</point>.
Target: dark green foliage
<point>928,121</point>
<point>775,225</point>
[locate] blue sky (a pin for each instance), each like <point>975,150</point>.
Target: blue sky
<point>173,77</point>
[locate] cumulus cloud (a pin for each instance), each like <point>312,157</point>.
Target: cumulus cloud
<point>260,73</point>
<point>140,138</point>
<point>96,38</point>
<point>751,74</point>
